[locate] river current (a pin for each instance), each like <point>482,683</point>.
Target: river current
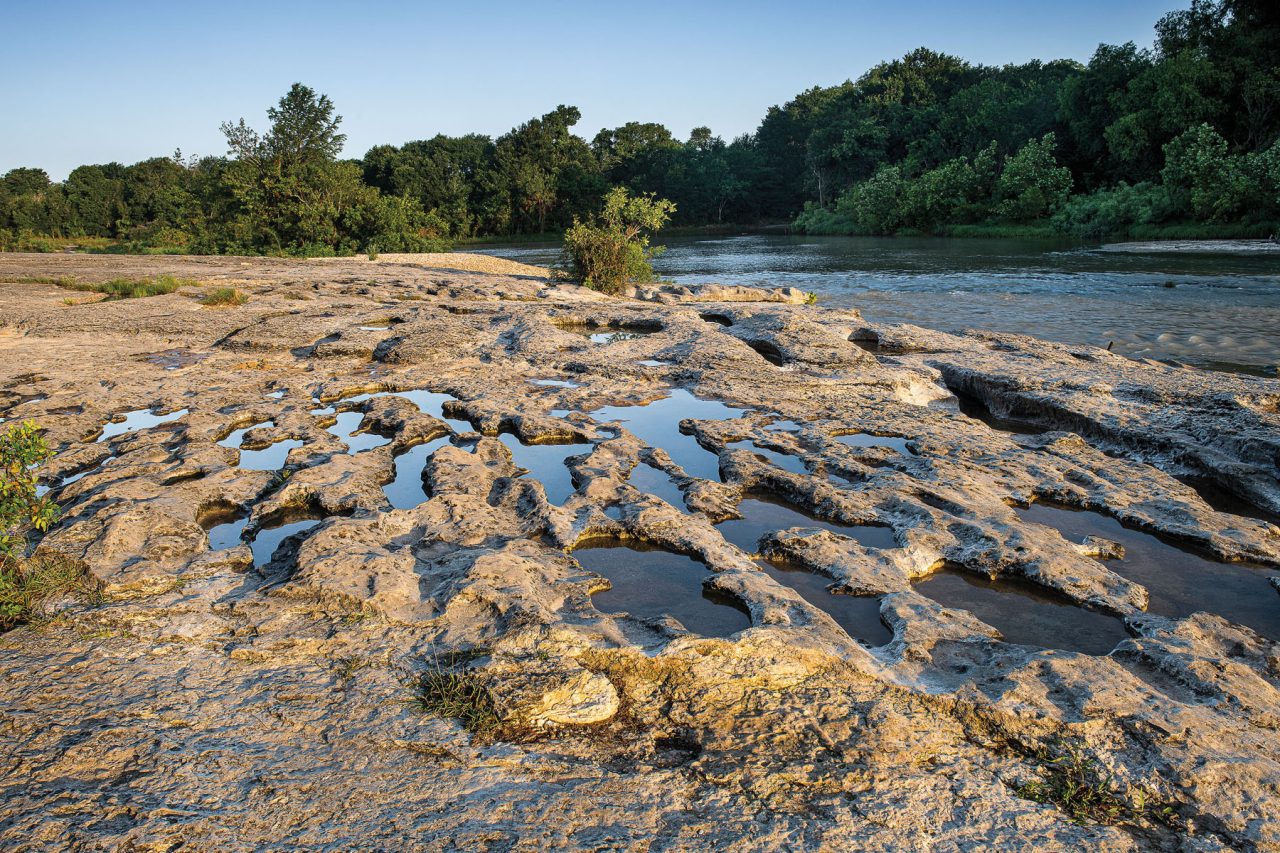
<point>1214,309</point>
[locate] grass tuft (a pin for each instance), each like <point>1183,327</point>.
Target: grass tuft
<point>25,585</point>
<point>459,696</point>
<point>223,296</point>
<point>60,280</point>
<point>133,288</point>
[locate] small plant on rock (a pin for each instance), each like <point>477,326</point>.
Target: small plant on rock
<point>25,581</point>
<point>223,297</point>
<point>460,696</point>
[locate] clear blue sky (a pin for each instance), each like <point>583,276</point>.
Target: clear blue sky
<point>93,82</point>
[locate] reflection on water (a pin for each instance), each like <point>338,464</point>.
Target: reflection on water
<point>858,615</point>
<point>1025,613</point>
<point>765,514</point>
<point>546,464</point>
<point>1179,582</point>
<point>406,490</point>
<point>1224,308</point>
<point>657,424</point>
<point>648,581</point>
<point>344,429</point>
<point>866,439</point>
<point>269,458</point>
<point>651,481</point>
<point>269,539</point>
<point>785,461</point>
<point>228,530</point>
<point>136,420</point>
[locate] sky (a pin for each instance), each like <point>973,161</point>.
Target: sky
<point>95,82</point>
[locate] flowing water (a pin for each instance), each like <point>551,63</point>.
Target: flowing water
<point>1213,310</point>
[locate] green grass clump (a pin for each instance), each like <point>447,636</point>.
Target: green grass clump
<point>1082,788</point>
<point>27,584</point>
<point>461,697</point>
<point>134,288</point>
<point>223,296</point>
<point>60,280</point>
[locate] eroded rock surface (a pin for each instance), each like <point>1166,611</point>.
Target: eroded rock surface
<point>250,679</point>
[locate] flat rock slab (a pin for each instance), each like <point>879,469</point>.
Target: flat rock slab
<point>269,692</point>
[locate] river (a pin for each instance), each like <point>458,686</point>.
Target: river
<point>1214,310</point>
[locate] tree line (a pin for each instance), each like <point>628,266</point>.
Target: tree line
<point>1138,141</point>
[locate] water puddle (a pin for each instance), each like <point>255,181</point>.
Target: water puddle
<point>268,539</point>
<point>428,402</point>
<point>66,481</point>
<point>555,383</point>
<point>269,458</point>
<point>612,334</point>
<point>657,424</point>
<point>649,582</point>
<point>138,419</point>
<point>344,429</point>
<point>785,461</point>
<point>652,362</point>
<point>546,464</point>
<point>765,514</point>
<point>866,439</point>
<point>227,529</point>
<point>1179,582</point>
<point>1224,501</point>
<point>274,395</point>
<point>1025,613</point>
<point>858,615</point>
<point>374,328</point>
<point>407,489</point>
<point>658,483</point>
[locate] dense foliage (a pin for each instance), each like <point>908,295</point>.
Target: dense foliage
<point>607,251</point>
<point>1182,133</point>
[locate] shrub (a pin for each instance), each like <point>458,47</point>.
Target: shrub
<point>223,296</point>
<point>22,448</point>
<point>611,249</point>
<point>25,583</point>
<point>1113,212</point>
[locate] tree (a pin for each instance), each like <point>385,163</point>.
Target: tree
<point>612,248</point>
<point>1032,184</point>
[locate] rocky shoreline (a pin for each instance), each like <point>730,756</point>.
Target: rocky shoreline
<point>268,666</point>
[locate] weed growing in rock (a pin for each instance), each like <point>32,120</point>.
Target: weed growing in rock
<point>1079,785</point>
<point>460,696</point>
<point>223,297</point>
<point>132,288</point>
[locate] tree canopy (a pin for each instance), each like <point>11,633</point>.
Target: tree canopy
<point>1183,131</point>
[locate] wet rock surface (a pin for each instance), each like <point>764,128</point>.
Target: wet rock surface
<point>362,480</point>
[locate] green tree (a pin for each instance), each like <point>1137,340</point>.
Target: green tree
<point>1032,184</point>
